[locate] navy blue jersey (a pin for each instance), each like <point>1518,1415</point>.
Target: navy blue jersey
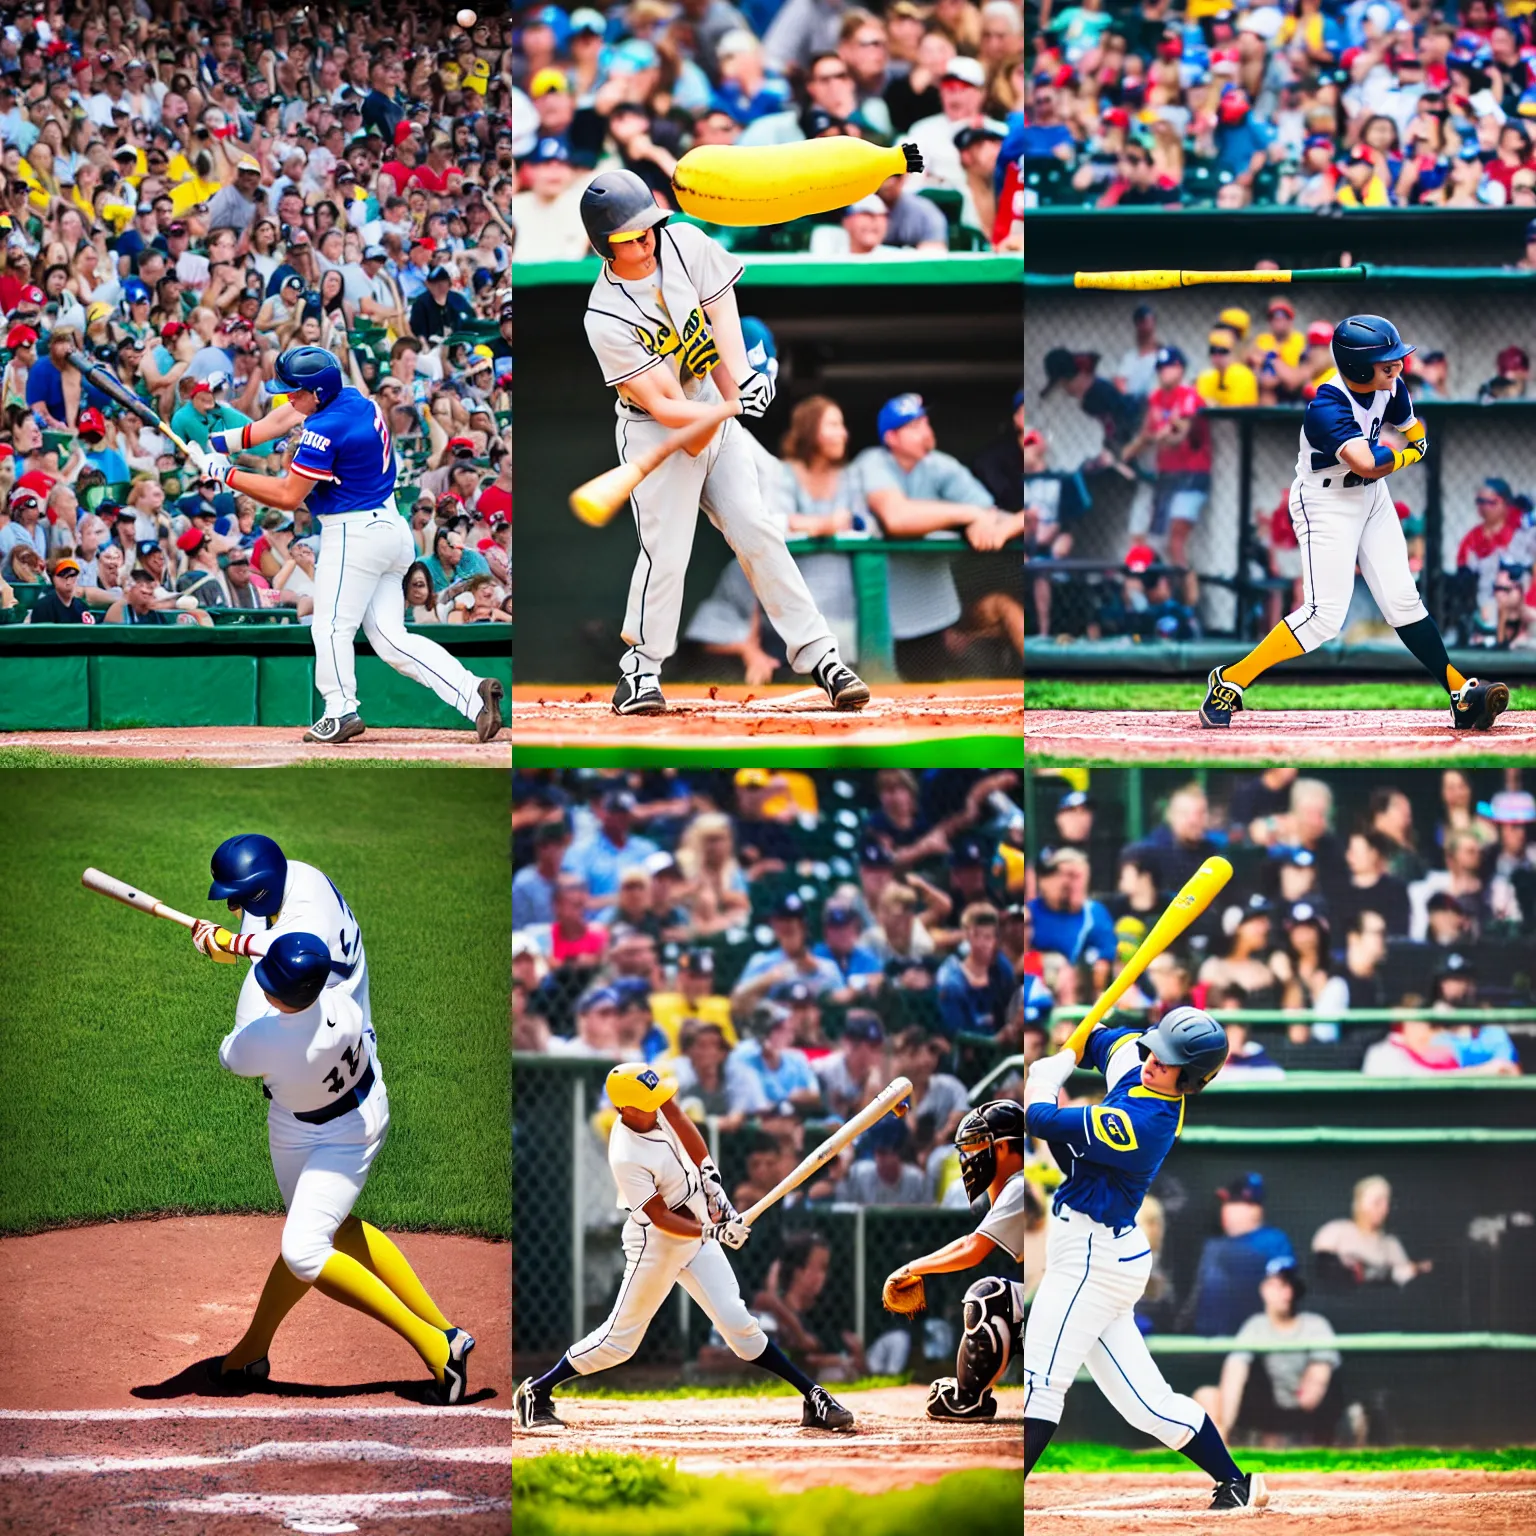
<point>346,450</point>
<point>1110,1152</point>
<point>1338,415</point>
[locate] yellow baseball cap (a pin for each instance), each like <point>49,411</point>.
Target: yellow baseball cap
<point>97,312</point>
<point>1236,319</point>
<point>548,80</point>
<point>479,76</point>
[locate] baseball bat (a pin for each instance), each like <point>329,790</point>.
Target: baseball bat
<point>109,384</point>
<point>596,500</point>
<point>141,901</point>
<point>877,1108</point>
<point>1173,277</point>
<point>1198,893</point>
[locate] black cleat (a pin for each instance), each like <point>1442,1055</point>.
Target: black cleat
<point>239,1378</point>
<point>823,1411</point>
<point>1222,701</point>
<point>533,1411</point>
<point>845,688</point>
<point>945,1402</point>
<point>455,1382</point>
<point>639,696</point>
<point>1245,1493</point>
<point>1475,706</point>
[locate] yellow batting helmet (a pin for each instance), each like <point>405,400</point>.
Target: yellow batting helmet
<point>637,1086</point>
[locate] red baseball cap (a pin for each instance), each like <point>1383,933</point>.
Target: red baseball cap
<point>20,336</point>
<point>1403,510</point>
<point>1117,117</point>
<point>462,442</point>
<point>171,330</point>
<point>1285,304</point>
<point>1140,557</point>
<point>1319,334</point>
<point>91,420</point>
<point>21,495</point>
<point>1234,107</point>
<point>403,130</point>
<point>190,539</point>
<point>30,295</point>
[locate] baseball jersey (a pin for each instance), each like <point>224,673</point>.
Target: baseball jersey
<point>1004,1223</point>
<point>311,904</point>
<point>1337,415</point>
<point>1111,1151</point>
<point>306,1059</point>
<point>635,324</point>
<point>346,450</point>
<point>647,1163</point>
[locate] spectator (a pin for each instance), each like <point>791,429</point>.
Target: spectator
<point>938,1097</point>
<point>569,939</point>
<point>716,890</point>
<point>1183,840</point>
<point>1067,921</point>
<point>881,1173</point>
<point>601,856</point>
<point>1175,425</point>
<point>1246,1056</point>
<point>1462,880</point>
<point>1371,887</point>
<point>694,1000</point>
<point>533,886</point>
<point>766,1074</point>
<point>974,986</point>
<point>789,959</point>
<point>1225,382</point>
<point>794,1283</point>
<point>60,605</point>
<point>850,1075</point>
<point>1232,1266</point>
<point>597,1027</point>
<point>1513,857</point>
<point>700,1073</point>
<point>1246,965</point>
<point>1361,1245</point>
<point>1417,1048</point>
<point>859,968</point>
<point>137,604</point>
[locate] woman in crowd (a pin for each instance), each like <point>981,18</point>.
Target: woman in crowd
<point>1361,1245</point>
<point>716,895</point>
<point>1246,963</point>
<point>420,599</point>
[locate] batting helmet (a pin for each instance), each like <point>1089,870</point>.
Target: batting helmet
<point>976,1139</point>
<point>1362,341</point>
<point>1188,1038</point>
<point>311,368</point>
<point>618,205</point>
<point>249,871</point>
<point>637,1086</point>
<point>295,969</point>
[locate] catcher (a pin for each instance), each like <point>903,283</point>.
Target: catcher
<point>990,1141</point>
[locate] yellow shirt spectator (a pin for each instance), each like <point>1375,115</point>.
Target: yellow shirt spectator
<point>796,792</point>
<point>193,191</point>
<point>1288,351</point>
<point>671,1010</point>
<point>1226,382</point>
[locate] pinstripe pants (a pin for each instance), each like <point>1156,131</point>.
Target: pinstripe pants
<point>1083,1314</point>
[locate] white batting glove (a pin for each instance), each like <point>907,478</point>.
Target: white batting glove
<point>720,1207</point>
<point>757,392</point>
<point>216,467</point>
<point>1047,1076</point>
<point>730,1234</point>
<point>197,456</point>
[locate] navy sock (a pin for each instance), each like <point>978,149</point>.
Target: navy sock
<point>1209,1452</point>
<point>774,1359</point>
<point>1037,1435</point>
<point>562,1370</point>
<point>1423,638</point>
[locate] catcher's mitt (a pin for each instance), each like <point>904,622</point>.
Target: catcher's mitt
<point>904,1294</point>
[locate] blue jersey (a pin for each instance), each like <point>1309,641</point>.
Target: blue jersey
<point>1110,1152</point>
<point>346,450</point>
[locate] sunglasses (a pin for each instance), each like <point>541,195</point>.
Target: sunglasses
<point>840,74</point>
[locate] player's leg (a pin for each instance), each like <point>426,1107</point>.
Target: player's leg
<point>650,1271</point>
<point>344,581</point>
<point>375,1252</point>
<point>994,1323</point>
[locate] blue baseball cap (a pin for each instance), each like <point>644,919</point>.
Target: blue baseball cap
<point>546,150</point>
<point>1166,356</point>
<point>598,997</point>
<point>1248,1189</point>
<point>555,18</point>
<point>898,412</point>
<point>135,292</point>
<point>759,341</point>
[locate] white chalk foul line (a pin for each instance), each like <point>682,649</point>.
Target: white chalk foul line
<point>316,1508</point>
<point>147,1415</point>
<point>1312,1501</point>
<point>308,1451</point>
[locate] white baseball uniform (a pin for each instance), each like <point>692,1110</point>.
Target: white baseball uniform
<point>1340,519</point>
<point>634,325</point>
<point>645,1164</point>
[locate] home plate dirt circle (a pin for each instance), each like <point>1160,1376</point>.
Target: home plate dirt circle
<point>1272,735</point>
<point>1428,1503</point>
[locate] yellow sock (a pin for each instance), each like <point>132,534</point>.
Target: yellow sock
<point>279,1296</point>
<point>343,1279</point>
<point>1278,645</point>
<point>1454,678</point>
<point>377,1253</point>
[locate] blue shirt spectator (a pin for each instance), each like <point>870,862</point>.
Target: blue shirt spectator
<point>1067,921</point>
<point>761,1075</point>
<point>603,855</point>
<point>969,1006</point>
<point>841,926</point>
<point>1231,1266</point>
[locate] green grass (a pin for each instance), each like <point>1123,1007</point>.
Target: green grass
<point>601,1494</point>
<point>755,1388</point>
<point>1064,693</point>
<point>1088,1457</point>
<point>112,1100</point>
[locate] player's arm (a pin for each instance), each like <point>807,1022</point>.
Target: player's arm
<point>658,393</point>
<point>720,1207</point>
<point>733,369</point>
<point>275,424</point>
<point>964,1253</point>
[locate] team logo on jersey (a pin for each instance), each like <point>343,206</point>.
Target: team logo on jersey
<point>661,342</point>
<point>1113,1128</point>
<point>314,440</point>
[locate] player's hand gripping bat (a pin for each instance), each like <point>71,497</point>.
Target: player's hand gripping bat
<point>1198,893</point>
<point>109,384</point>
<point>140,901</point>
<point>596,501</point>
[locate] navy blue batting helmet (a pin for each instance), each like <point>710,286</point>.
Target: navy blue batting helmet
<point>310,368</point>
<point>1362,341</point>
<point>1188,1038</point>
<point>295,969</point>
<point>618,203</point>
<point>249,872</point>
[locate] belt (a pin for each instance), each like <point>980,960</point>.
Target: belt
<point>348,1101</point>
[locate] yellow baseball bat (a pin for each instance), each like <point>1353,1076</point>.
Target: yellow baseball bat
<point>1198,893</point>
<point>1173,277</point>
<point>595,501</point>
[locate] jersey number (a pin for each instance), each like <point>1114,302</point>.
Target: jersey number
<point>1113,1127</point>
<point>353,1056</point>
<point>382,428</point>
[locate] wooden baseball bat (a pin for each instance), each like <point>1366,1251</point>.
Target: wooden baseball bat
<point>109,384</point>
<point>1198,893</point>
<point>596,500</point>
<point>850,1130</point>
<point>1172,277</point>
<point>141,901</point>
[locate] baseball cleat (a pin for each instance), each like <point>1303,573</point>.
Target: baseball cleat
<point>823,1411</point>
<point>335,729</point>
<point>845,688</point>
<point>239,1378</point>
<point>945,1402</point>
<point>1245,1493</point>
<point>533,1411</point>
<point>639,695</point>
<point>488,721</point>
<point>1222,701</point>
<point>456,1369</point>
<point>1475,706</point>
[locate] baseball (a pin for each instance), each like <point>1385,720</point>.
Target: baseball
<point>466,18</point>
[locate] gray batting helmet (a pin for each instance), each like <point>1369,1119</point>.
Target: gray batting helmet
<point>618,203</point>
<point>1188,1038</point>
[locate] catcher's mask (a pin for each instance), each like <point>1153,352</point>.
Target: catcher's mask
<point>976,1139</point>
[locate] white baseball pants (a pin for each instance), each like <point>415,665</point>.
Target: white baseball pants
<point>722,481</point>
<point>1083,1314</point>
<point>655,1262</point>
<point>1335,529</point>
<point>358,581</point>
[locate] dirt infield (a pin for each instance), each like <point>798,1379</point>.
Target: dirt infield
<point>734,719</point>
<point>270,746</point>
<point>1339,1503</point>
<point>893,1444</point>
<point>1278,735</point>
<point>108,1423</point>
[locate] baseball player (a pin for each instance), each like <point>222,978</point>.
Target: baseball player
<point>1097,1260</point>
<point>344,470</point>
<point>679,1223</point>
<point>990,1140</point>
<point>1342,513</point>
<point>663,323</point>
<point>304,1026</point>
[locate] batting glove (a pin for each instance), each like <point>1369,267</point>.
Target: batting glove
<point>720,1207</point>
<point>730,1234</point>
<point>216,467</point>
<point>232,440</point>
<point>756,393</point>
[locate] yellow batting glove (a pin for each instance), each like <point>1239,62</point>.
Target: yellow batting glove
<point>213,941</point>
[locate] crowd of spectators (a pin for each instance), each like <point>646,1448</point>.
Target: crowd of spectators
<point>639,85</point>
<point>185,194</point>
<point>1311,105</point>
